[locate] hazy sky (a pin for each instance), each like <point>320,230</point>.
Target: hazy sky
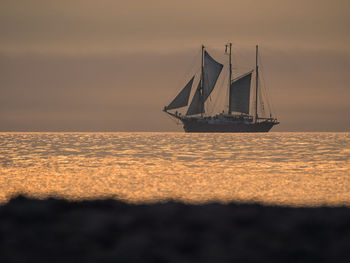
<point>112,65</point>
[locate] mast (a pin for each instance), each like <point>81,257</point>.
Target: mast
<point>256,84</point>
<point>229,80</point>
<point>202,83</point>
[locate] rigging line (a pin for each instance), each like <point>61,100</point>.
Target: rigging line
<point>219,92</point>
<point>189,71</point>
<point>270,104</point>
<point>240,61</point>
<point>174,120</point>
<point>234,64</point>
<point>194,61</point>
<point>264,87</point>
<point>267,97</point>
<point>261,97</point>
<point>216,52</point>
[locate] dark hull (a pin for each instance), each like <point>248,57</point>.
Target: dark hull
<point>193,125</point>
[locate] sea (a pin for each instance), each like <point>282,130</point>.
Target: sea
<point>287,168</point>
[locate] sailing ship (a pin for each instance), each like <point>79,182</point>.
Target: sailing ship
<point>237,117</point>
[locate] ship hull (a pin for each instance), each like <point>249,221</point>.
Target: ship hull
<point>193,125</point>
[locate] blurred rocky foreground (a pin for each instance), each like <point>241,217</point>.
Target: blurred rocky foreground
<point>112,231</point>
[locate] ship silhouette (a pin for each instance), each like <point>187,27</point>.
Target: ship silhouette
<point>237,117</point>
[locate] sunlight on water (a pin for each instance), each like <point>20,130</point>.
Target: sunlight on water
<point>277,168</point>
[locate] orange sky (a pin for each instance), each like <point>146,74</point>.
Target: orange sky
<point>112,65</point>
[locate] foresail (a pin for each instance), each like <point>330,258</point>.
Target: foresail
<point>196,106</point>
<point>181,100</point>
<point>211,70</point>
<point>240,94</point>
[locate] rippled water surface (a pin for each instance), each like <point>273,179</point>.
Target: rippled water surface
<point>278,168</point>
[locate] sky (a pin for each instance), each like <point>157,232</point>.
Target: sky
<point>112,65</point>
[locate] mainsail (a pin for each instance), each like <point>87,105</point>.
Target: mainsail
<point>211,72</point>
<point>196,106</point>
<point>181,99</point>
<point>240,93</point>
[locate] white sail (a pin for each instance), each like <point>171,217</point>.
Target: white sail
<point>196,106</point>
<point>240,93</point>
<point>181,99</point>
<point>211,70</point>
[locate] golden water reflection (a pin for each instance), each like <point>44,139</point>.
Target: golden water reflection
<point>277,168</point>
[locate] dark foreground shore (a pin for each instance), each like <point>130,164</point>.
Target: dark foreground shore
<point>111,231</point>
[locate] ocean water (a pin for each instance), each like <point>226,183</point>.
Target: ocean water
<point>273,168</point>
